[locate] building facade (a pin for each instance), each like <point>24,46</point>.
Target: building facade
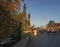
<point>54,26</point>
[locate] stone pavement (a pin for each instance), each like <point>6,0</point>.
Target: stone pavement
<point>45,40</point>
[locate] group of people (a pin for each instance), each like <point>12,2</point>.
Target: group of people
<point>48,31</point>
<point>53,31</point>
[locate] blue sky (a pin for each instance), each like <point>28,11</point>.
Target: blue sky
<point>43,10</point>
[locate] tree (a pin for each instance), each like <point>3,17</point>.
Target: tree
<point>8,25</point>
<point>10,6</point>
<point>10,21</point>
<point>50,22</point>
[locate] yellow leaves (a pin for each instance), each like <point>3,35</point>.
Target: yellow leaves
<point>16,18</point>
<point>17,1</point>
<point>9,24</point>
<point>16,5</point>
<point>9,6</point>
<point>3,4</point>
<point>21,16</point>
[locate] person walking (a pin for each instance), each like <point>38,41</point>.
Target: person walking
<point>48,31</point>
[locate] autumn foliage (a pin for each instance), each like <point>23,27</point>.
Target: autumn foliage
<point>9,23</point>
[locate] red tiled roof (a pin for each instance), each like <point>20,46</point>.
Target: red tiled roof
<point>54,25</point>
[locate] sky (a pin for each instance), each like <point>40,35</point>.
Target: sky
<point>43,10</point>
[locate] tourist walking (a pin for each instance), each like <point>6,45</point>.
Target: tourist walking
<point>48,31</point>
